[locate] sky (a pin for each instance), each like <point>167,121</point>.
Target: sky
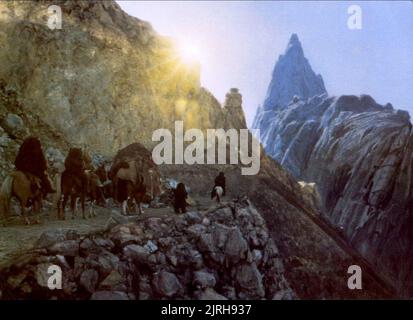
<point>238,43</point>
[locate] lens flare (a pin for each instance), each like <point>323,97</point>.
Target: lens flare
<point>190,53</point>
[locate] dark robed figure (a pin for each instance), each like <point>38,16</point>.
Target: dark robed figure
<point>221,181</point>
<point>180,196</point>
<point>31,159</point>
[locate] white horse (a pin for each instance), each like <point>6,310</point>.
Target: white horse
<point>217,193</point>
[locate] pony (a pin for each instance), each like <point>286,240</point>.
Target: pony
<point>128,184</point>
<point>72,186</point>
<point>217,193</point>
<point>27,189</point>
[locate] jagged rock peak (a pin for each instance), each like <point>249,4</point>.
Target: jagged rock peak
<point>292,76</point>
<point>294,43</point>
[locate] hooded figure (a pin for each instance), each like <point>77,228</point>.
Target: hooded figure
<point>219,181</point>
<point>31,159</point>
<point>180,196</point>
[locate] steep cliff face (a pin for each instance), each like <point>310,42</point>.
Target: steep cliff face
<point>105,79</point>
<point>359,154</point>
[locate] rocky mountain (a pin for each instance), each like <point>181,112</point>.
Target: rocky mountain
<point>292,78</point>
<point>107,80</point>
<point>102,69</point>
<point>359,155</point>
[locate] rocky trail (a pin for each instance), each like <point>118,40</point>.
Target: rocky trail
<point>212,252</point>
<point>17,239</point>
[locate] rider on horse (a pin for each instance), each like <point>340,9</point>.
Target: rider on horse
<point>220,181</point>
<point>31,160</point>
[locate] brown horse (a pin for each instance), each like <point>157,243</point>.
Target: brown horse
<point>27,189</point>
<point>71,186</point>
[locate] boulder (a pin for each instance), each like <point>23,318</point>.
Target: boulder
<point>14,125</point>
<point>203,279</point>
<point>104,243</point>
<point>89,279</point>
<point>236,247</point>
<point>196,230</point>
<point>222,215</point>
<point>122,236</point>
<point>167,284</point>
<point>89,246</point>
<point>249,280</point>
<point>137,253</point>
<point>114,281</point>
<point>107,262</point>
<point>65,248</point>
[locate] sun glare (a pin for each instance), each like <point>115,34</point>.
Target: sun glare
<point>190,53</point>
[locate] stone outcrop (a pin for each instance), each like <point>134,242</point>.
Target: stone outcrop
<point>234,117</point>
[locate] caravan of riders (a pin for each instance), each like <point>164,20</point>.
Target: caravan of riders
<point>79,181</point>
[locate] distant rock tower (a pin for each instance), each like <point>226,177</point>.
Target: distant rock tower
<point>235,117</point>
